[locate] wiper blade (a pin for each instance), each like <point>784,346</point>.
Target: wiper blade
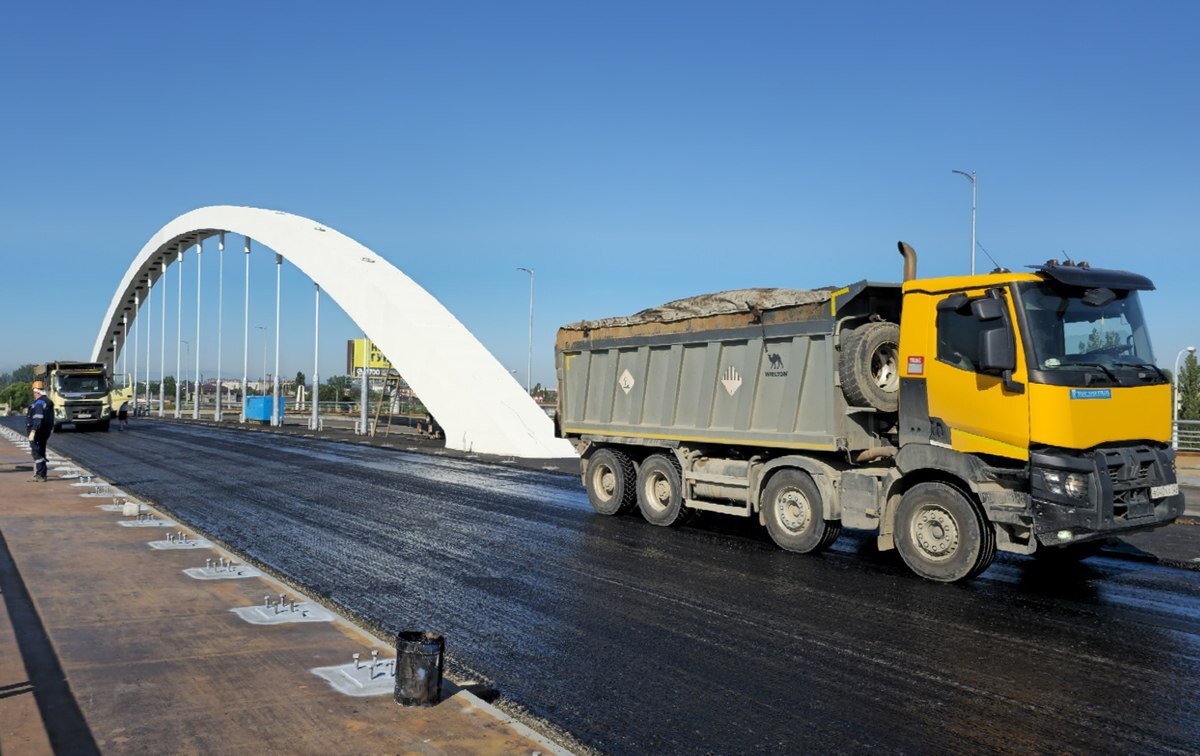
<point>1109,373</point>
<point>1151,365</point>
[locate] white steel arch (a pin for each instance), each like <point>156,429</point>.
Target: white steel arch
<point>478,403</point>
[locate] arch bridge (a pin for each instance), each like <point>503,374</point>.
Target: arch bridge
<point>478,403</point>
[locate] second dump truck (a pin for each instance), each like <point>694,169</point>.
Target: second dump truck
<point>953,417</point>
<point>82,393</point>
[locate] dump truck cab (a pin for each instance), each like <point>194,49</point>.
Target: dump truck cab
<point>1046,382</point>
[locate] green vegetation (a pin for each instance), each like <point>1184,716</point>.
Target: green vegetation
<point>16,388</point>
<point>1188,386</point>
<point>17,395</point>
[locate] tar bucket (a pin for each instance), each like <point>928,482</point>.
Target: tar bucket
<point>419,668</point>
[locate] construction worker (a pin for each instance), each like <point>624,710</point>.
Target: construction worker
<point>39,424</point>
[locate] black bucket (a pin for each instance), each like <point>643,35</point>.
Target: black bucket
<point>419,668</point>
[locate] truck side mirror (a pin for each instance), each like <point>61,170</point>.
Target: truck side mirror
<point>996,352</point>
<point>986,310</point>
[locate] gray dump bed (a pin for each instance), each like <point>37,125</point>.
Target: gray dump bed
<point>752,367</point>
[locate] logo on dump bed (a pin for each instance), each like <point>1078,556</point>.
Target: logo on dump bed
<point>775,366</point>
<point>731,380</point>
<point>626,381</point>
<point>1091,393</point>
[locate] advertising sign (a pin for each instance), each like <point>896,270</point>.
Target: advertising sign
<point>376,364</point>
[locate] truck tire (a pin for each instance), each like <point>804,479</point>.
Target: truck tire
<point>104,426</point>
<point>610,482</point>
<point>660,491</point>
<point>869,366</point>
<point>794,514</point>
<point>941,535</point>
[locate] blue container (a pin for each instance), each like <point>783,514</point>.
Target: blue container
<point>259,408</point>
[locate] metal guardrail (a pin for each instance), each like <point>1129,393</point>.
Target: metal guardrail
<point>1189,434</point>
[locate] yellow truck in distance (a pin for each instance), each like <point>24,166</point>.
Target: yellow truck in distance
<point>953,417</point>
<point>82,392</point>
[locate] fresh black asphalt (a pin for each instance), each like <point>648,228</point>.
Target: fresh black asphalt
<point>702,639</point>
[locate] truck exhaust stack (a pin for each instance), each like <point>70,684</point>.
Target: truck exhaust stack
<point>910,260</point>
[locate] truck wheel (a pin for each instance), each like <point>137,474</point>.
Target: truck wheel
<point>104,426</point>
<point>869,366</point>
<point>941,535</point>
<point>794,515</point>
<point>660,491</point>
<point>610,482</point>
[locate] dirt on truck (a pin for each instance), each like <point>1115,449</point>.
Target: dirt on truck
<point>952,417</point>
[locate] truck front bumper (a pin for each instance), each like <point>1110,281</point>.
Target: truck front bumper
<point>1082,496</point>
<point>82,412</point>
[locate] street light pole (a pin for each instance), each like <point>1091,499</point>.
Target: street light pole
<point>529,363</point>
<point>970,177</point>
<point>186,373</point>
<point>1177,397</point>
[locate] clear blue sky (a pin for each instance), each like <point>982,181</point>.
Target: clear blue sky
<point>631,153</point>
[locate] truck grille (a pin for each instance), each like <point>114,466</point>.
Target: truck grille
<point>1130,472</point>
<point>84,411</point>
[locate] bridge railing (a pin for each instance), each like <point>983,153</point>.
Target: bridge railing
<point>1189,434</point>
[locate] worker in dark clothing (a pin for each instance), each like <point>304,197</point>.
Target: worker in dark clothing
<point>39,423</point>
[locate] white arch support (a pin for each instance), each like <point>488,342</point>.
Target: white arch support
<point>478,403</point>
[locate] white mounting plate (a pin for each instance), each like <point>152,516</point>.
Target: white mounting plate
<point>261,615</point>
<point>349,681</point>
<point>236,572</point>
<point>150,522</point>
<point>117,507</point>
<point>193,543</point>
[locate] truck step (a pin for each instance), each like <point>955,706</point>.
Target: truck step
<point>742,510</point>
<point>725,480</point>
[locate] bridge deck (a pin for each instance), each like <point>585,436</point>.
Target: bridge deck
<point>156,661</point>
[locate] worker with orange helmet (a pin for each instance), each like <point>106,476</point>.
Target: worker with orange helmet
<point>39,423</point>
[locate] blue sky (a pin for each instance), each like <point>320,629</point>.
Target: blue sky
<point>631,153</point>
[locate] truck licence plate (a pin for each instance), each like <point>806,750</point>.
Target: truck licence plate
<point>84,415</point>
<point>1159,492</point>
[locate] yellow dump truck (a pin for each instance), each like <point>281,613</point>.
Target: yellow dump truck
<point>953,417</point>
<point>82,393</point>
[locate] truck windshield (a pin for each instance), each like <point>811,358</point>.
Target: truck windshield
<point>80,384</point>
<point>1073,329</point>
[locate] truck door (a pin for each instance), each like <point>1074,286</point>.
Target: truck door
<point>985,413</point>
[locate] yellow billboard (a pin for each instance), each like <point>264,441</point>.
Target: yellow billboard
<point>376,363</point>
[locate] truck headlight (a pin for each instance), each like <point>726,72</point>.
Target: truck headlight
<point>1062,483</point>
<point>1054,481</point>
<point>60,412</point>
<point>1076,485</point>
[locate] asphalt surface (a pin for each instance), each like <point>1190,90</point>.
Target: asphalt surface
<point>705,639</point>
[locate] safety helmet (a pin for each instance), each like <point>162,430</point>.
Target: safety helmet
<point>39,386</point>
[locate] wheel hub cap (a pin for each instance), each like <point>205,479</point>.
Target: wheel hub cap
<point>793,510</point>
<point>884,367</point>
<point>608,482</point>
<point>936,533</point>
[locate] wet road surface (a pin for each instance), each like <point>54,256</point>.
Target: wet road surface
<point>704,639</point>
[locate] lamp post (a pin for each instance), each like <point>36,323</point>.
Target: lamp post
<point>970,177</point>
<point>1177,398</point>
<point>186,373</point>
<point>529,363</point>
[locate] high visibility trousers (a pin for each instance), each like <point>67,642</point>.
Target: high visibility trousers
<point>37,448</point>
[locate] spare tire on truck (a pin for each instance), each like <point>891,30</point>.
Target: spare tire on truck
<point>869,366</point>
